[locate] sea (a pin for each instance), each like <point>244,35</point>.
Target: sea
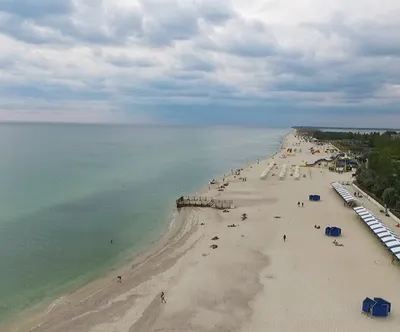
<point>67,190</point>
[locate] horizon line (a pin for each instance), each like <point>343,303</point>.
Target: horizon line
<point>357,128</point>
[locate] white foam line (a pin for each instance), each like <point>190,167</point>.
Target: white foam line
<point>51,307</point>
<point>90,296</point>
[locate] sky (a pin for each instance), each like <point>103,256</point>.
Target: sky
<point>251,62</point>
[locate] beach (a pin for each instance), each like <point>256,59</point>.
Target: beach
<point>253,280</point>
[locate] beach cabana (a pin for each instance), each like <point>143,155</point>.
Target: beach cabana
<point>382,307</point>
<point>376,307</point>
<point>367,305</point>
<point>314,198</point>
<point>344,193</point>
<point>388,238</point>
<point>333,231</point>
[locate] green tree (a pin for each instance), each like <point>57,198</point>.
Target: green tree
<point>378,156</point>
<point>366,177</point>
<point>397,206</point>
<point>389,197</point>
<point>379,186</point>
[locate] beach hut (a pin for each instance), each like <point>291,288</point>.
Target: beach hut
<point>333,231</point>
<point>327,231</point>
<point>376,307</point>
<point>381,308</point>
<point>314,198</point>
<point>367,305</point>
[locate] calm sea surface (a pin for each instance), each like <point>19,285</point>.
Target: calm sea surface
<point>67,190</point>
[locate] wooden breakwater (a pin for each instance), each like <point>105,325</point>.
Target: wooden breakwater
<point>198,201</point>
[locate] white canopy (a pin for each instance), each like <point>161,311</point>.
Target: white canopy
<point>390,239</point>
<point>343,192</point>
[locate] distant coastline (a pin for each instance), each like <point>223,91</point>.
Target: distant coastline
<point>345,128</point>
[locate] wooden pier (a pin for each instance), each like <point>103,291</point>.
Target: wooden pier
<point>198,201</point>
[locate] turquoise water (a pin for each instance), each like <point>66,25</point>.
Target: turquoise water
<point>67,190</point>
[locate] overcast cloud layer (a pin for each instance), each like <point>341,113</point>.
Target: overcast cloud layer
<point>332,62</point>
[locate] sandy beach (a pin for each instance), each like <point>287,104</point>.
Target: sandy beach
<point>253,280</point>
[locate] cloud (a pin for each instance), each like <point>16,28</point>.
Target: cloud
<point>272,59</point>
<point>365,38</point>
<point>242,38</point>
<point>191,62</point>
<point>129,62</point>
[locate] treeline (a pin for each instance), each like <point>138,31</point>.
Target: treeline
<point>380,173</point>
<point>371,140</point>
<point>379,161</point>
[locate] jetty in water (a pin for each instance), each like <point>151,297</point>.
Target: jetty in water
<point>198,201</point>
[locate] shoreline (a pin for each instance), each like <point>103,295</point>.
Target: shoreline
<point>178,223</point>
<point>156,247</point>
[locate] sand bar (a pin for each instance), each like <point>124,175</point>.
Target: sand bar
<point>253,281</point>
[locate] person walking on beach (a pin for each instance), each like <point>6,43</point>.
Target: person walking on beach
<point>298,204</point>
<point>302,204</point>
<point>162,296</point>
<point>284,238</point>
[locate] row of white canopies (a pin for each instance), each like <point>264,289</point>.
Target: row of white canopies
<point>266,171</point>
<point>390,239</point>
<point>343,192</point>
<point>270,167</point>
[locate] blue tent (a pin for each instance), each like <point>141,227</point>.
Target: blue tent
<point>367,305</point>
<point>333,231</point>
<point>314,198</point>
<point>383,303</point>
<point>377,307</point>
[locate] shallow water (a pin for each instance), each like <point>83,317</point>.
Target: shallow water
<point>67,190</point>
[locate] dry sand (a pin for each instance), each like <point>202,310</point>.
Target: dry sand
<point>253,281</point>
